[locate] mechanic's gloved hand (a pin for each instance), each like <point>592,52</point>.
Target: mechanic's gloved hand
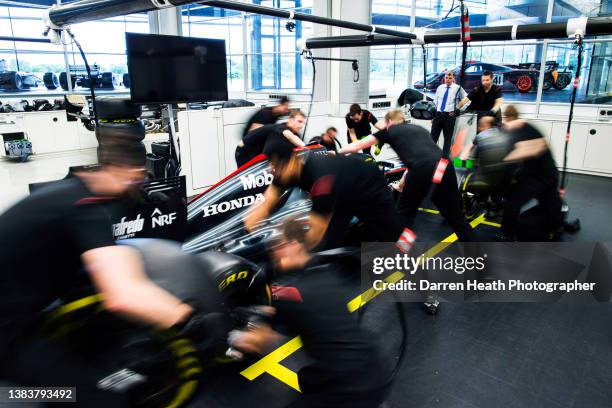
<point>208,332</point>
<point>457,112</point>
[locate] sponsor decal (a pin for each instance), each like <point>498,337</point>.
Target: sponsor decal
<point>226,206</point>
<point>252,181</point>
<point>127,229</point>
<point>233,278</point>
<point>158,219</point>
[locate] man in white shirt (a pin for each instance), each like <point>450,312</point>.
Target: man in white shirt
<point>448,95</point>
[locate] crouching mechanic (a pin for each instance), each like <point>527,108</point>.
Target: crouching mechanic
<point>254,142</point>
<point>425,164</point>
<point>536,178</point>
<point>48,241</point>
<point>340,188</point>
<point>347,368</point>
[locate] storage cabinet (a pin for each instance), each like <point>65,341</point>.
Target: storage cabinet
<point>50,132</point>
<point>598,152</point>
<point>577,144</point>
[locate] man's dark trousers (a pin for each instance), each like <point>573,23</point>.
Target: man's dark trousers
<point>444,123</point>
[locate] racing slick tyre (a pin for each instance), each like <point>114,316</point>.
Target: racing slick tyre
<point>524,83</point>
<point>471,205</point>
<point>132,129</point>
<point>108,81</point>
<point>562,82</point>
<point>548,83</point>
<point>239,281</point>
<point>51,81</point>
<point>112,108</point>
<point>126,80</point>
<point>63,80</point>
<point>158,368</point>
<point>11,80</point>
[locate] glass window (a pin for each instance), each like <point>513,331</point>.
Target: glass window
<point>500,58</point>
<point>565,9</point>
<point>103,42</point>
<point>275,63</point>
<point>515,67</point>
<point>389,64</point>
<point>561,65</point>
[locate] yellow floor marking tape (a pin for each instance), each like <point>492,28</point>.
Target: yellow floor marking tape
<point>271,363</point>
<point>429,211</point>
<point>491,224</point>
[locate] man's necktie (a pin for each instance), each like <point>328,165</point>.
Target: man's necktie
<point>442,106</point>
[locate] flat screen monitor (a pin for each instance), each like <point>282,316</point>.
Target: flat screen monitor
<point>172,69</point>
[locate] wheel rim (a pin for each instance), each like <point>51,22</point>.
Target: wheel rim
<point>563,81</point>
<point>523,83</point>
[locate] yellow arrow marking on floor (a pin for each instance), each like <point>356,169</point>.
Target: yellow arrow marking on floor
<point>271,363</point>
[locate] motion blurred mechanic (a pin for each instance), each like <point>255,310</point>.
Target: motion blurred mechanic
<point>46,241</point>
<point>448,95</point>
<point>253,143</point>
<point>328,140</point>
<point>486,99</point>
<point>358,122</point>
<point>489,137</point>
<point>421,156</point>
<point>347,369</point>
<point>340,188</point>
<point>537,176</point>
<point>267,116</point>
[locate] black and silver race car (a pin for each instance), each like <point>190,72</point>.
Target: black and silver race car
<point>16,80</point>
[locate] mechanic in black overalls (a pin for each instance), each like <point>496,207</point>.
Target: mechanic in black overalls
<point>486,99</point>
<point>253,143</point>
<point>536,178</point>
<point>346,368</point>
<point>46,241</point>
<point>327,140</point>
<point>267,116</point>
<point>340,188</point>
<point>358,123</point>
<point>425,164</point>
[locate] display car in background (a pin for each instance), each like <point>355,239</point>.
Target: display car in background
<point>79,77</point>
<point>24,81</point>
<point>16,80</point>
<point>554,75</point>
<point>512,78</point>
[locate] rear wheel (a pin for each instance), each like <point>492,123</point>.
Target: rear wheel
<point>51,81</point>
<point>107,81</point>
<point>63,81</point>
<point>562,82</point>
<point>524,83</point>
